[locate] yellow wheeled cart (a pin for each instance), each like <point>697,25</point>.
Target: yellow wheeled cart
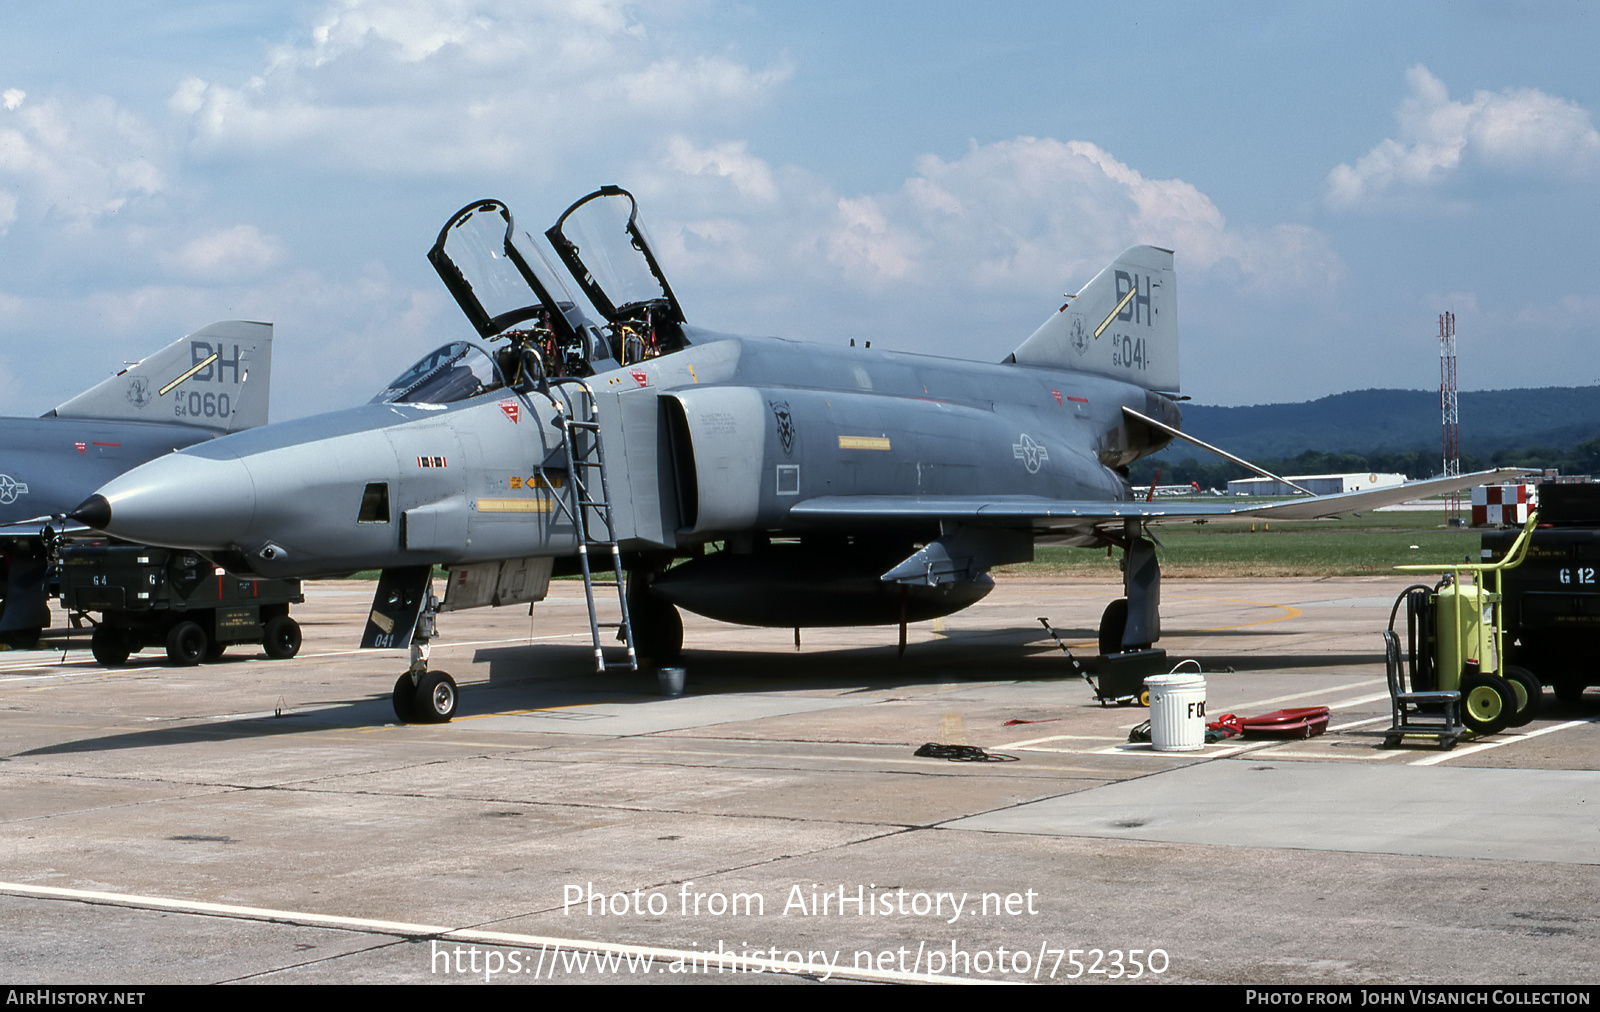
<point>1455,642</point>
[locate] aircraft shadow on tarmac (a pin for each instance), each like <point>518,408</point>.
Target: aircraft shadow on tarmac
<point>545,676</point>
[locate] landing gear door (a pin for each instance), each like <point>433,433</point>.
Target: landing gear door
<point>603,244</point>
<point>401,594</point>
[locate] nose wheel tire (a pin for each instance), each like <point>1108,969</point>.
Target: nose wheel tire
<point>435,698</point>
<point>405,699</point>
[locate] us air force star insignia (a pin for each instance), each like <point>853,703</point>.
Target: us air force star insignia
<point>10,488</point>
<point>1033,455</point>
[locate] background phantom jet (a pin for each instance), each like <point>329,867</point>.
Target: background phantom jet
<point>191,390</point>
<point>752,480</point>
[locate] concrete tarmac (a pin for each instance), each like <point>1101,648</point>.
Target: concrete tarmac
<point>268,821</point>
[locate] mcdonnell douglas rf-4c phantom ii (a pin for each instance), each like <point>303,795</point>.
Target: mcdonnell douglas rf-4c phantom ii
<point>752,480</point>
<point>213,382</point>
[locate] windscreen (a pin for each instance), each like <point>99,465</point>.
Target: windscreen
<point>456,372</point>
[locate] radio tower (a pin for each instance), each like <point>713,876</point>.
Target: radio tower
<point>1448,408</point>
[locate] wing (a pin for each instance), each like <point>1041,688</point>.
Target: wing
<point>1081,517</point>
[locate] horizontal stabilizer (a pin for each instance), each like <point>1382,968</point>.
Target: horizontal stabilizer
<point>218,378</point>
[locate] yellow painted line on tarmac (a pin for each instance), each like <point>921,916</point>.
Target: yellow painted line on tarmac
<point>556,709</point>
<point>1289,612</point>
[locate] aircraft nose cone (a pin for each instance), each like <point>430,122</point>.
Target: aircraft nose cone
<point>94,512</point>
<point>176,501</point>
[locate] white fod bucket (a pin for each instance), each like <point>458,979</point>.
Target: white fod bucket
<point>1177,712</point>
<point>671,681</point>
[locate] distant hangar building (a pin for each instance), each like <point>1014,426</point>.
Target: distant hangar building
<point>1321,484</point>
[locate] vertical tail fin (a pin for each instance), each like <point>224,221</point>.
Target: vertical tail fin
<point>219,378</point>
<point>1122,324</point>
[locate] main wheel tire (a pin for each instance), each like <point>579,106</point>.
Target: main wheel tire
<point>1113,621</point>
<point>281,638</point>
<point>1570,692</point>
<point>657,632</point>
<point>110,647</point>
<point>187,644</point>
<point>1529,692</point>
<point>405,699</point>
<point>24,639</point>
<point>435,700</point>
<point>1487,702</point>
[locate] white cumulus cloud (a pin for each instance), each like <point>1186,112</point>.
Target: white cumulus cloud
<point>1030,213</point>
<point>1519,131</point>
<point>78,158</point>
<point>232,253</point>
<point>963,254</point>
<point>403,86</point>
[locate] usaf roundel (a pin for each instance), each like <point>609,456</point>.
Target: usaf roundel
<point>1032,454</point>
<point>10,488</point>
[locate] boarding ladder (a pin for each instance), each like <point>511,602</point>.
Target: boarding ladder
<point>589,508</point>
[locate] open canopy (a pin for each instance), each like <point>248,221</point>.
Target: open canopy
<point>603,244</point>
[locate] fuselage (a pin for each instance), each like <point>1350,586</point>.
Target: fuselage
<point>714,442</point>
<point>48,465</point>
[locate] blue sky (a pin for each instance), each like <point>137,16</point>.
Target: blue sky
<point>931,177</point>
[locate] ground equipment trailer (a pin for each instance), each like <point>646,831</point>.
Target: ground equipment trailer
<point>150,597</point>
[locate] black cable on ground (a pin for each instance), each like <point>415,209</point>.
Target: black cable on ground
<point>963,754</point>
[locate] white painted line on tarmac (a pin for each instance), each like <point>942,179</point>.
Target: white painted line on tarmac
<point>547,945</point>
<point>1377,756</point>
<point>1508,738</point>
<point>1320,692</point>
<point>1359,701</point>
<point>1060,737</point>
<point>1332,728</point>
<point>441,647</point>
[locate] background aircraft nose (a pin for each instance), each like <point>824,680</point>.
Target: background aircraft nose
<point>177,501</point>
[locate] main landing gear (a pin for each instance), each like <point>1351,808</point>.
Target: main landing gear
<point>1133,622</point>
<point>656,626</point>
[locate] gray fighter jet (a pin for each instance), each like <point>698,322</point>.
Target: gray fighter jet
<point>749,479</point>
<point>191,390</point>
